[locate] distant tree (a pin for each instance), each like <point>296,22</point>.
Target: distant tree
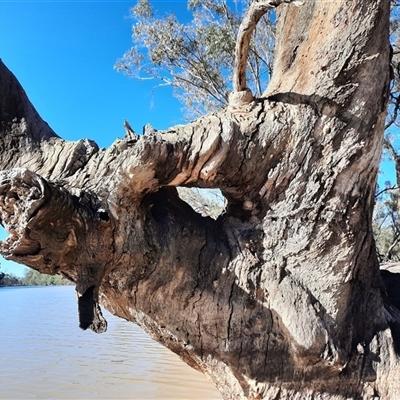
<point>387,208</point>
<point>9,280</point>
<point>205,202</point>
<point>394,100</point>
<point>386,224</point>
<point>35,278</point>
<point>197,57</point>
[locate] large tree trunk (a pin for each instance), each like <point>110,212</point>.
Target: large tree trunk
<point>281,297</point>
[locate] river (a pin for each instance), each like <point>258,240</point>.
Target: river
<point>44,354</point>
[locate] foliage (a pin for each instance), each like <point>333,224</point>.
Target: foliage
<point>386,213</point>
<point>386,224</point>
<point>196,58</point>
<point>9,280</point>
<point>394,100</point>
<point>35,278</point>
<point>32,278</point>
<point>210,203</point>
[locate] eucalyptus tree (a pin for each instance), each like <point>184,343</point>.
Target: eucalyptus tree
<point>197,57</point>
<point>387,210</point>
<point>280,297</point>
<point>386,224</point>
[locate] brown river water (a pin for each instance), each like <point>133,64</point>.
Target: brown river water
<point>44,354</point>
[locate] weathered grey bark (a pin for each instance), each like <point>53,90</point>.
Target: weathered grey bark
<point>281,297</point>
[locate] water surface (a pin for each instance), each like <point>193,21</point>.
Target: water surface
<point>44,354</point>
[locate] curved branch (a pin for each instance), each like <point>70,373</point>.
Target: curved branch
<point>241,94</point>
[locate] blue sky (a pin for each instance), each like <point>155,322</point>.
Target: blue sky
<point>63,53</point>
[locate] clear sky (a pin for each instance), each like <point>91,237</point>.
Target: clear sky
<point>63,53</point>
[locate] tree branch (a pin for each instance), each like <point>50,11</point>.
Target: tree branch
<point>241,95</point>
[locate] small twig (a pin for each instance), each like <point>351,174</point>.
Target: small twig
<point>394,187</point>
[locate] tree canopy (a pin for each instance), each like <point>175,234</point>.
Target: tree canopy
<point>32,278</point>
<point>197,57</point>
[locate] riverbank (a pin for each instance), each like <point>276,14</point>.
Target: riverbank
<point>32,278</point>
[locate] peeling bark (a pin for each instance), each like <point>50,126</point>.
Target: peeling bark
<point>279,298</point>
